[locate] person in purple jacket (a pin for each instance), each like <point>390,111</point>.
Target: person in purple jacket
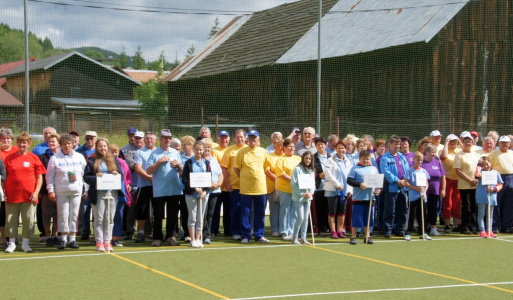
<point>436,188</point>
<point>405,149</point>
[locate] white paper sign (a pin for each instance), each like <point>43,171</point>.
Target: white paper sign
<point>108,182</point>
<point>488,178</point>
<point>373,180</point>
<point>421,179</point>
<point>200,179</point>
<point>306,181</point>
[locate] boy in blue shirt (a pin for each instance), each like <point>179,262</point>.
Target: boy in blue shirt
<point>416,195</point>
<point>361,196</point>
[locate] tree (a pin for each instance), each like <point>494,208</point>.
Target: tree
<point>152,96</point>
<point>47,44</point>
<point>176,62</point>
<point>94,54</point>
<point>190,51</point>
<point>123,59</point>
<point>138,59</point>
<point>215,29</point>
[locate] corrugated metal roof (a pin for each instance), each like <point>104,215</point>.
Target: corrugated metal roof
<point>358,26</point>
<point>97,103</point>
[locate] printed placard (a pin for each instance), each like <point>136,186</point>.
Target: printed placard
<point>200,179</point>
<point>108,182</point>
<point>488,178</point>
<point>373,180</point>
<point>306,181</point>
<point>420,179</point>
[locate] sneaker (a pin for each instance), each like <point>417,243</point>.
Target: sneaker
<point>26,248</point>
<point>128,237</point>
<point>276,234</point>
<point>108,246</point>
<point>483,234</point>
<point>62,245</point>
<point>236,237</point>
<point>447,229</point>
<point>171,241</point>
<point>43,239</point>
<point>263,240</point>
<point>140,238</point>
<point>368,241</point>
<point>334,235</point>
<point>322,233</point>
<point>56,241</point>
<point>352,241</point>
<point>305,242</point>
<point>358,235</point>
<point>427,237</point>
<point>388,235</point>
<point>434,232</point>
<point>456,229</point>
<point>10,247</point>
<point>194,244</point>
<point>116,243</point>
<point>100,247</point>
<point>466,231</point>
<point>49,242</point>
<point>285,237</point>
<point>156,243</point>
<point>341,235</point>
<point>400,233</point>
<point>372,234</point>
<point>207,241</point>
<point>73,245</point>
<point>187,239</point>
<point>495,231</point>
<point>244,241</point>
<point>84,237</point>
<point>407,237</point>
<point>492,235</point>
<point>296,242</point>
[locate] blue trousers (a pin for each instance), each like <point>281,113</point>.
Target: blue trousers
<point>235,213</point>
<point>503,211</point>
<point>287,213</point>
<point>86,217</point>
<point>258,202</point>
<point>301,211</point>
<point>395,211</point>
<point>274,212</point>
<point>222,199</point>
<point>118,220</point>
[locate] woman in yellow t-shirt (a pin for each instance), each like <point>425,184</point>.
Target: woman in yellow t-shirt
<point>284,167</point>
<point>272,197</point>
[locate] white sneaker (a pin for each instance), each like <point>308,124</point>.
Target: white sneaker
<point>187,239</point>
<point>194,244</point>
<point>236,237</point>
<point>244,241</point>
<point>43,239</point>
<point>407,237</point>
<point>26,248</point>
<point>296,242</point>
<point>427,237</point>
<point>286,237</point>
<point>305,242</point>
<point>10,247</point>
<point>434,232</point>
<point>276,234</point>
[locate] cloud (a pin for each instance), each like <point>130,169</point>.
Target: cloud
<point>113,29</point>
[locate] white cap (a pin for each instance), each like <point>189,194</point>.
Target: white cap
<point>465,134</point>
<point>505,138</point>
<point>435,133</point>
<point>91,133</point>
<point>452,137</point>
<point>139,134</point>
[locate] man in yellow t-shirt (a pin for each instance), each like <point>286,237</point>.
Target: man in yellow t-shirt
<point>231,181</point>
<point>223,198</point>
<point>502,162</point>
<point>250,164</point>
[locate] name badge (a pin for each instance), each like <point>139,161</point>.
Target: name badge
<point>26,164</point>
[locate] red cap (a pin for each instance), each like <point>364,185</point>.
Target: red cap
<point>474,133</point>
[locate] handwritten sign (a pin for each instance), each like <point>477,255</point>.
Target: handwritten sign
<point>488,178</point>
<point>200,179</point>
<point>420,179</point>
<point>306,181</point>
<point>373,180</point>
<point>108,182</point>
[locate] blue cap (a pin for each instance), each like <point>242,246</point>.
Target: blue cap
<point>253,132</point>
<point>224,132</point>
<point>131,130</point>
<point>295,129</point>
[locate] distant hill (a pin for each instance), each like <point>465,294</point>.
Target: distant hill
<point>106,53</point>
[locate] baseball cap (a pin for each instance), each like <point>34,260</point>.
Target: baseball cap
<point>90,133</point>
<point>452,137</point>
<point>224,132</point>
<point>505,138</point>
<point>253,132</point>
<point>435,133</point>
<point>74,132</point>
<point>139,134</point>
<point>465,134</point>
<point>474,133</point>
<point>295,129</point>
<point>131,130</point>
<point>165,132</point>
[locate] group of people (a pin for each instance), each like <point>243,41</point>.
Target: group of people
<point>300,177</point>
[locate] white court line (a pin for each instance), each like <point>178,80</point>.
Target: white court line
<point>346,243</point>
<point>502,239</point>
<point>376,291</point>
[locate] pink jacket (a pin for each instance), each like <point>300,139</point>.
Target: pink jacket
<point>127,179</point>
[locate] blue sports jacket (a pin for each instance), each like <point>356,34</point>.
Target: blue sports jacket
<point>388,167</point>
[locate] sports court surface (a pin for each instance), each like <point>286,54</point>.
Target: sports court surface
<point>451,266</point>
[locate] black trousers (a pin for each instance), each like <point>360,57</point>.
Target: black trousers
<point>170,205</point>
<point>416,211</point>
<point>222,199</point>
<point>208,215</point>
<point>468,210</point>
<point>321,211</point>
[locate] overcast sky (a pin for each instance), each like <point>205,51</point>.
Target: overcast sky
<point>169,26</point>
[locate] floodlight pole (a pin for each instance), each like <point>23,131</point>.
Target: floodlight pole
<point>27,93</point>
<point>319,71</point>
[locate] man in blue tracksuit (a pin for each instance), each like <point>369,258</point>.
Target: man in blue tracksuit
<point>394,165</point>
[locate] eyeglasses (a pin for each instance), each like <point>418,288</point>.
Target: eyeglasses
<point>88,138</point>
<point>307,133</point>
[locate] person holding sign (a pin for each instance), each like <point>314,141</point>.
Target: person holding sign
<point>303,187</point>
<point>196,197</point>
<point>361,197</point>
<point>415,179</point>
<point>486,195</point>
<point>103,162</point>
<point>336,189</point>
